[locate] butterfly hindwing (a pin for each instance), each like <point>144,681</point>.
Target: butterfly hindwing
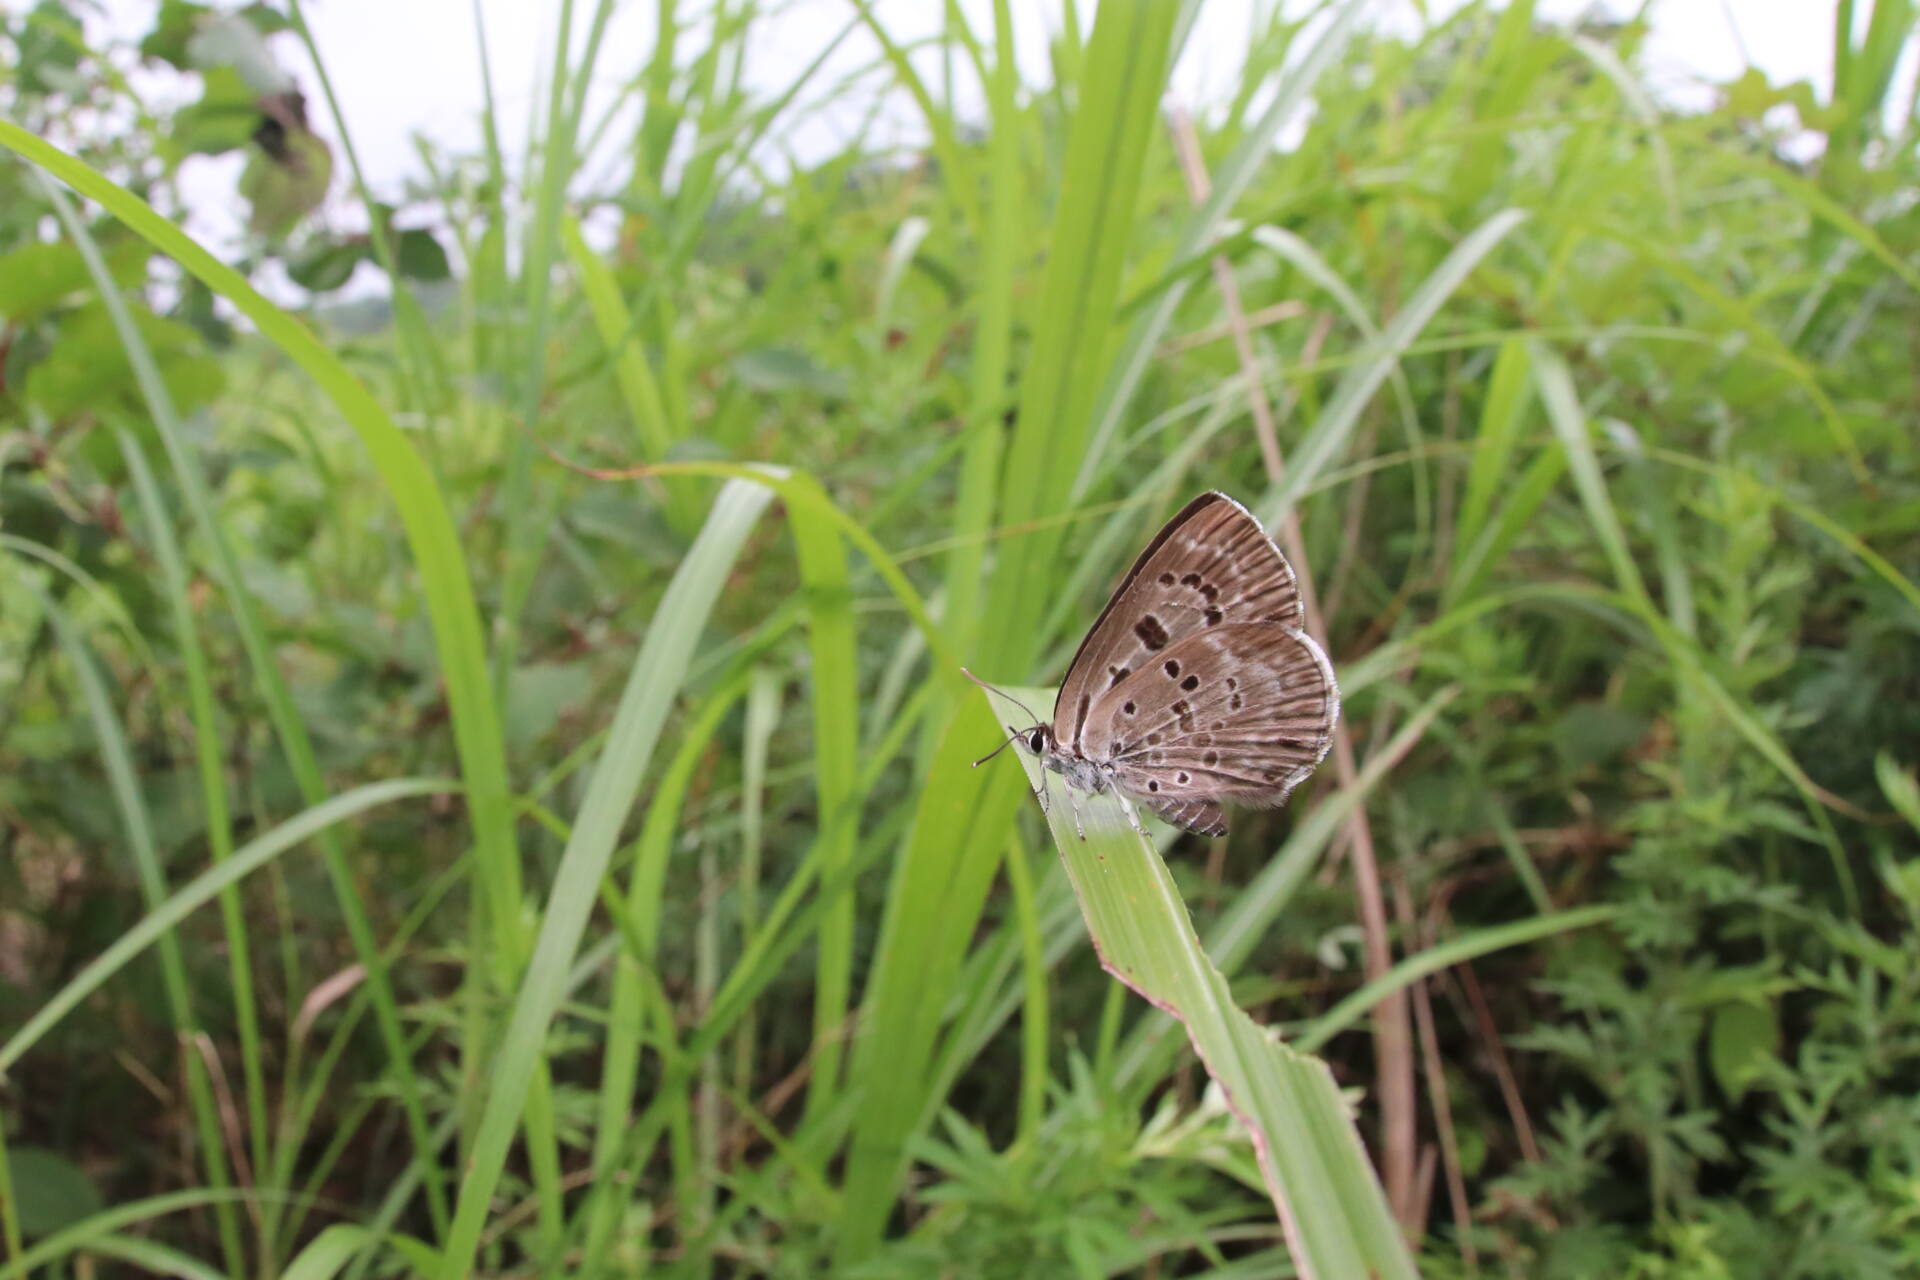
<point>1203,817</point>
<point>1211,566</point>
<point>1239,713</point>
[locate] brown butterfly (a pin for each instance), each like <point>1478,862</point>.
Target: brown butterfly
<point>1196,687</point>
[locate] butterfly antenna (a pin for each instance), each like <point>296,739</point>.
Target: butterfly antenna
<point>1003,693</point>
<point>1017,735</point>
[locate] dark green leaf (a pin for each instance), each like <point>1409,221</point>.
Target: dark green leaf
<point>222,120</point>
<point>420,257</point>
<point>323,265</point>
<point>172,28</point>
<point>1741,1045</point>
<point>50,1190</point>
<point>51,43</point>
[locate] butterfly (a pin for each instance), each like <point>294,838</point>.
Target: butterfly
<point>1197,686</point>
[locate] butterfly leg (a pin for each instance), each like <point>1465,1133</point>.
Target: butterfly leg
<point>1073,801</point>
<point>1133,818</point>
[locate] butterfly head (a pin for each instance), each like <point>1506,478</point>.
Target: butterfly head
<point>1038,739</point>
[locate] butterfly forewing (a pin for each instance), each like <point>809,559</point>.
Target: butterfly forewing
<point>1236,713</point>
<point>1210,566</point>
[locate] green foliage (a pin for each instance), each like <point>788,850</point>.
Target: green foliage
<point>53,1191</point>
<point>417,855</point>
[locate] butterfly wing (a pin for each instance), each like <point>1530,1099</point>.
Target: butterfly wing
<point>1237,714</point>
<point>1202,816</point>
<point>1210,566</point>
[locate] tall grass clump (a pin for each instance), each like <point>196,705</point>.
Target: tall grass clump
<point>484,763</point>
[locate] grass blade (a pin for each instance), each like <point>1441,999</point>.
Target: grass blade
<point>136,823</point>
<point>1328,1198</point>
<point>296,743</point>
<point>1336,421</point>
<point>189,897</point>
<point>1415,967</point>
<point>655,681</point>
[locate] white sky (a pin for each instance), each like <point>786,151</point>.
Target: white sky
<point>402,67</point>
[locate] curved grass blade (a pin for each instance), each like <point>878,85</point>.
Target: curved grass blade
<point>1253,152</point>
<point>834,689</point>
<point>1415,967</point>
<point>330,1251</point>
<point>1331,429</point>
<point>183,901</point>
<point>655,681</point>
<point>213,792</point>
<point>1329,1200</point>
<point>155,1259</point>
<point>136,823</point>
<point>1253,911</point>
<point>295,742</point>
<point>84,1234</point>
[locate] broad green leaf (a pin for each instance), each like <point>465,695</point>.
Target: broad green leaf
<point>88,368</point>
<point>51,1191</point>
<point>324,263</point>
<point>419,255</point>
<point>37,277</point>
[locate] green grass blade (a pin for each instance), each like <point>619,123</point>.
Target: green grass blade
<point>412,486</point>
<point>82,1235</point>
<point>189,897</point>
<point>630,1005</point>
<point>1256,909</point>
<point>1415,967</point>
<point>1500,416</point>
<point>1252,154</point>
<point>657,675</point>
<point>834,679</point>
<point>1327,1196</point>
<point>1342,411</point>
<point>1100,189</point>
<point>155,1259</point>
<point>633,372</point>
<point>959,821</point>
<point>213,791</point>
<point>940,885</point>
<point>124,786</point>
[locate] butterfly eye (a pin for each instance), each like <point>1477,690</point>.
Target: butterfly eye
<point>1038,742</point>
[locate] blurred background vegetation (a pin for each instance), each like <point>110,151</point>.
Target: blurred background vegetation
<point>1600,422</point>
